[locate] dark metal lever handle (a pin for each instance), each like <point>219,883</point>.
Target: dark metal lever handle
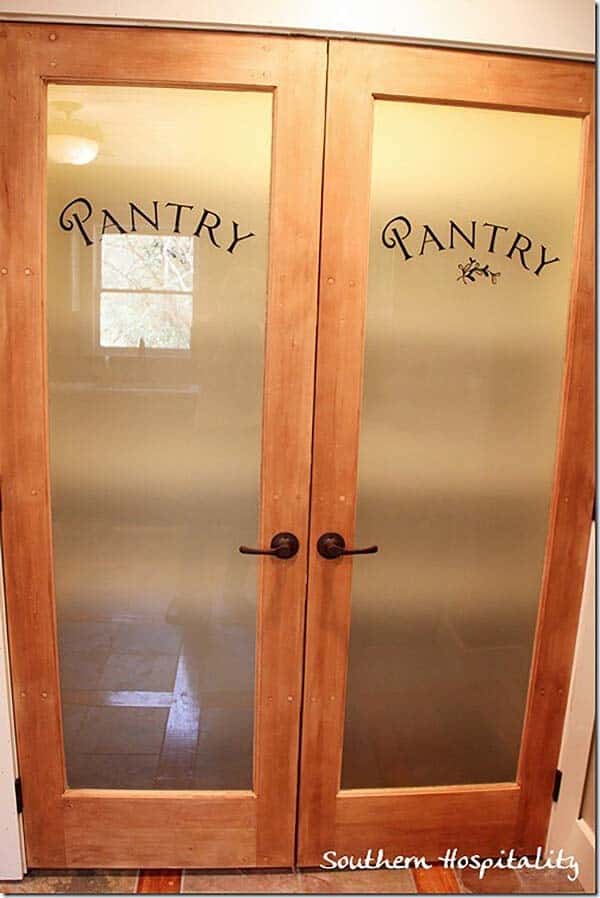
<point>333,545</point>
<point>283,545</point>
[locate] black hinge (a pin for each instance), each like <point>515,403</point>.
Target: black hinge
<point>19,795</point>
<point>557,782</point>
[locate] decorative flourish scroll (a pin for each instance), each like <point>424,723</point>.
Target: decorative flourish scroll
<point>471,270</point>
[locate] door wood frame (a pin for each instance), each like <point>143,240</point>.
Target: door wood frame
<point>475,818</point>
<point>568,830</point>
<point>112,828</point>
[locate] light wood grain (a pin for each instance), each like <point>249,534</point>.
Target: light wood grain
<point>25,510</point>
<point>437,881</point>
<point>473,819</point>
<point>328,818</point>
<point>97,830</point>
<point>466,77</point>
<point>128,829</point>
<point>566,547</point>
<point>338,391</point>
<point>287,444</point>
<point>159,882</point>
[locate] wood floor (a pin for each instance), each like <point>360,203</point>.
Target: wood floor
<point>401,882</point>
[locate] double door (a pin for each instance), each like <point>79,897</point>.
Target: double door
<point>297,442</point>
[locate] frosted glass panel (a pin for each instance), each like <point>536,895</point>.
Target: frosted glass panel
<point>157,261</point>
<point>472,216</point>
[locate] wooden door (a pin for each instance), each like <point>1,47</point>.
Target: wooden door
<point>158,263</point>
<point>462,448</point>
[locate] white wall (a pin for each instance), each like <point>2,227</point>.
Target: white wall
<point>549,27</point>
<point>11,864</point>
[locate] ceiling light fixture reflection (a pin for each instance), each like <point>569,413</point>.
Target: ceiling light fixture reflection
<point>71,141</point>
